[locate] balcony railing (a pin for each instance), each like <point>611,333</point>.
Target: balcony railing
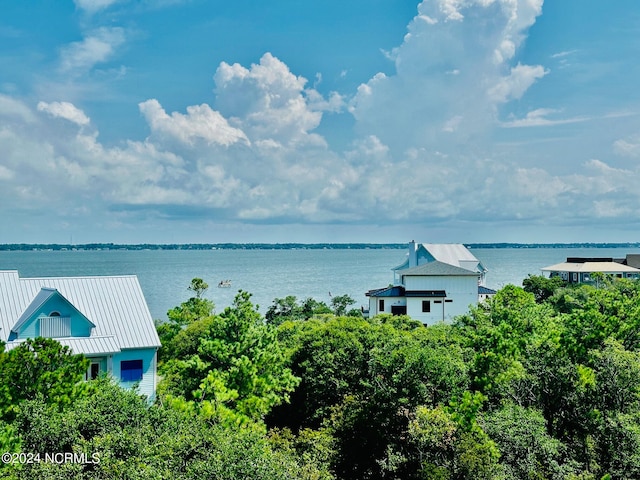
<point>55,327</point>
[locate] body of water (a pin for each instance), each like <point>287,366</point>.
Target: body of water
<point>267,274</point>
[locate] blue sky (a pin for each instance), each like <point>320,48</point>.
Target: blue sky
<point>175,121</point>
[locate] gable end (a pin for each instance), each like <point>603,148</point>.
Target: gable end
<point>51,315</point>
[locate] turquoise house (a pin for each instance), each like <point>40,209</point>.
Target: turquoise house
<point>104,318</point>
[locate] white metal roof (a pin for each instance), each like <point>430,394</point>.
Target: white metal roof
<point>85,345</point>
<point>455,254</point>
<point>115,304</point>
<point>451,253</point>
<point>590,267</point>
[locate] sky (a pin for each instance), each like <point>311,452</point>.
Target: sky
<point>209,121</point>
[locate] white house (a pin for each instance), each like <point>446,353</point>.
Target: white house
<point>435,283</point>
<point>104,318</point>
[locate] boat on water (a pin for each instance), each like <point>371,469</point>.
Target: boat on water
<point>224,284</point>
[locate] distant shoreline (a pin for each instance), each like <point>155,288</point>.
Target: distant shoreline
<point>285,246</point>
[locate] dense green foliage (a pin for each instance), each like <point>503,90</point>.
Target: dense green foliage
<point>288,309</point>
<point>542,287</point>
<point>123,438</point>
<point>228,366</point>
<point>42,368</point>
<point>540,382</point>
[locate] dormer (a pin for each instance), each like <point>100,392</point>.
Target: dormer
<point>51,315</point>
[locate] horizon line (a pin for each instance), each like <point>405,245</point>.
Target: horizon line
<point>291,245</point>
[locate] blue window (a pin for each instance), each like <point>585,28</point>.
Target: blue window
<point>131,370</point>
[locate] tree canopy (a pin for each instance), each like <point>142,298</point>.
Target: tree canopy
<point>540,382</point>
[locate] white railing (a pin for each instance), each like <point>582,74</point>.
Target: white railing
<point>55,327</point>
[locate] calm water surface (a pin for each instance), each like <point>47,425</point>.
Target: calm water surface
<point>269,274</point>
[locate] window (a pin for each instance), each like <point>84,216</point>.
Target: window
<point>448,301</point>
<point>426,306</point>
<point>381,305</point>
<point>131,370</point>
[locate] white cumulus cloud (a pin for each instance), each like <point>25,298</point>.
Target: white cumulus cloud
<point>427,147</point>
<point>452,71</point>
<point>65,110</point>
<point>267,101</point>
<point>200,122</point>
<point>514,85</point>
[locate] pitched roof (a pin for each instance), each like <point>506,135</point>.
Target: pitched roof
<point>41,298</point>
<point>455,254</point>
<point>115,305</point>
<point>437,269</point>
<point>396,291</point>
<point>451,253</point>
<point>590,267</point>
<point>482,290</point>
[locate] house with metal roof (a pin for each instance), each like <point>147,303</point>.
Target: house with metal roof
<point>454,254</point>
<point>436,282</point>
<point>105,318</point>
<point>581,270</point>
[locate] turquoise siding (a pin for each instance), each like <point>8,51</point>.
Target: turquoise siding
<point>94,316</point>
<point>30,329</point>
<point>146,386</point>
<point>80,327</point>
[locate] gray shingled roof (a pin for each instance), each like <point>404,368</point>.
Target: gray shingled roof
<point>115,304</point>
<point>396,291</point>
<point>437,268</point>
<point>482,290</point>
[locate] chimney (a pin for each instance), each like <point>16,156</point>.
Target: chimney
<point>413,254</point>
